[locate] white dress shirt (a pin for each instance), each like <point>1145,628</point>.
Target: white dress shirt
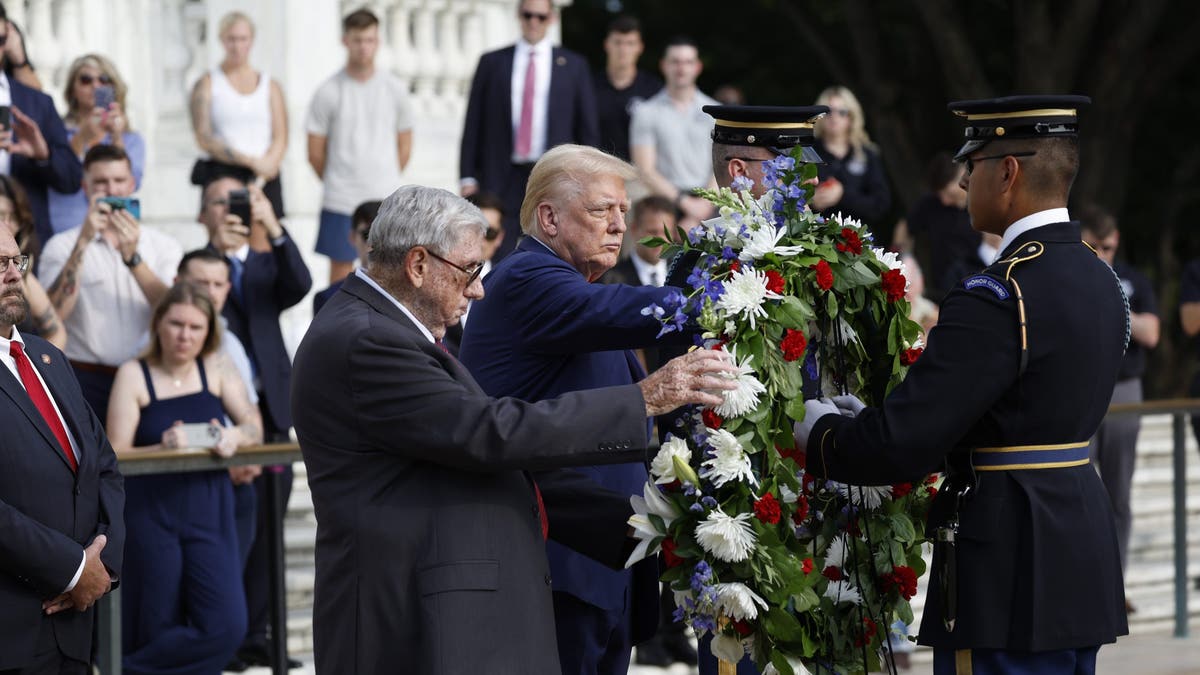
<point>650,275</point>
<point>371,282</point>
<point>541,94</point>
<point>5,100</point>
<point>1031,221</point>
<point>11,364</point>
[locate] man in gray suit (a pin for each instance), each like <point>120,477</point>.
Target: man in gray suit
<point>430,535</point>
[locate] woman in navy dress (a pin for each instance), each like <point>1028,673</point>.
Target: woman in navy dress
<point>183,607</point>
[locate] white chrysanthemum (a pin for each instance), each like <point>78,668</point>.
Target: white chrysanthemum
<point>847,333</point>
<point>842,591</point>
<point>744,399</point>
<point>889,258</point>
<point>872,495</point>
<point>651,501</point>
<point>728,648</point>
<point>848,221</point>
<point>662,467</point>
<point>836,553</point>
<point>729,538</point>
<point>745,293</point>
<point>729,461</point>
<point>764,239</point>
<point>738,602</point>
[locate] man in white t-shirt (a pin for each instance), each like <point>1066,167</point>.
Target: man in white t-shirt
<point>106,275</point>
<point>353,117</point>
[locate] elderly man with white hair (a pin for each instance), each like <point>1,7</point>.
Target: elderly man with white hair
<point>430,529</point>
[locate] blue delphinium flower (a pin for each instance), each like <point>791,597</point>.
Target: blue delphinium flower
<point>695,235</point>
<point>708,501</point>
<point>742,183</point>
<point>655,310</point>
<point>696,508</point>
<point>701,576</point>
<point>728,253</point>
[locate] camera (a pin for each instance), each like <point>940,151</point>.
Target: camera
<point>239,205</point>
<point>104,97</point>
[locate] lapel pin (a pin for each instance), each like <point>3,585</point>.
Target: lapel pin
<point>561,61</point>
<point>46,359</point>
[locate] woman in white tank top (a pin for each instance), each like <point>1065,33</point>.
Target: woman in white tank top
<point>239,117</point>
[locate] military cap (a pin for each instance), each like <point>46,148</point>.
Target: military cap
<point>778,128</point>
<point>1017,117</point>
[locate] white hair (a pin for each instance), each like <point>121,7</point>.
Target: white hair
<point>416,215</point>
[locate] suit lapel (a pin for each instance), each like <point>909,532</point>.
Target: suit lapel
<point>11,386</point>
<point>558,96</point>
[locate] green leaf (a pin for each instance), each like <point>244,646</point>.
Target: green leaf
<point>806,600</point>
<point>780,661</point>
<point>654,242</point>
<point>781,624</point>
<point>795,314</point>
<point>795,409</point>
<point>902,528</point>
<point>831,305</point>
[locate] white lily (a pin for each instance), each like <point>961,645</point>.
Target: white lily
<point>651,502</point>
<point>662,466</point>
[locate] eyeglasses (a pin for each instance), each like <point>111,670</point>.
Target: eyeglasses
<point>87,80</point>
<point>970,161</point>
<point>492,233</point>
<point>747,159</point>
<point>532,16</point>
<point>472,272</point>
<point>21,261</point>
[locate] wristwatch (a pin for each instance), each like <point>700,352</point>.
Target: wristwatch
<point>134,260</point>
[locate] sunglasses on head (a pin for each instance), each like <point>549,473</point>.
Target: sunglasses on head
<point>531,16</point>
<point>88,79</point>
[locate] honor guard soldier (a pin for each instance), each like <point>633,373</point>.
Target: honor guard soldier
<point>745,136</point>
<point>1016,378</point>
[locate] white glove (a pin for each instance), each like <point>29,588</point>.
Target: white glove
<point>814,409</point>
<point>849,405</point>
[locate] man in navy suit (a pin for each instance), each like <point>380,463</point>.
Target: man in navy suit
<point>545,329</point>
<point>61,498</point>
<point>264,284</point>
<point>34,148</point>
<point>520,107</point>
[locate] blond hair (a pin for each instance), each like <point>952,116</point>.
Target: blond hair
<point>105,67</point>
<point>859,138</point>
<point>229,20</point>
<point>562,173</point>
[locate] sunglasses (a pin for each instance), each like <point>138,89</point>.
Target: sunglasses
<point>840,112</point>
<point>87,80</point>
<point>492,233</point>
<point>534,16</point>
<point>970,161</point>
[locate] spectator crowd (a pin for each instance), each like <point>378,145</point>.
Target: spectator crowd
<point>165,342</point>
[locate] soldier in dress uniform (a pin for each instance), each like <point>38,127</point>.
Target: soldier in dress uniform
<point>1016,378</point>
<point>745,136</point>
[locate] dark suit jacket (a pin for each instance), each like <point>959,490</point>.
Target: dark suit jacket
<point>625,273</point>
<point>430,555</point>
<point>62,171</point>
<point>271,283</point>
<point>48,515</point>
<point>487,140</point>
<point>542,330</point>
<point>1037,560</point>
<point>322,297</point>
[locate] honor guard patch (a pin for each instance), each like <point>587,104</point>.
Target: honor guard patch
<point>983,280</point>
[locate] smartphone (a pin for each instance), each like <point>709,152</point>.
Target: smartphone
<point>130,204</point>
<point>5,117</point>
<point>104,96</point>
<point>201,435</point>
<point>239,205</point>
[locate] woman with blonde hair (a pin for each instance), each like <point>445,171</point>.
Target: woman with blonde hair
<point>852,180</point>
<point>95,95</point>
<point>239,116</point>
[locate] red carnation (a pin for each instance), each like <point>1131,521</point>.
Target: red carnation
<point>832,573</point>
<point>901,489</point>
<point>894,284</point>
<point>903,580</point>
<point>852,242</point>
<point>807,565</point>
<point>742,627</point>
<point>932,478</point>
<point>711,419</point>
<point>868,632</point>
<point>735,265</point>
<point>824,275</point>
<point>774,281</point>
<point>932,491</point>
<point>793,344</point>
<point>668,549</point>
<point>766,509</point>
<point>801,510</point>
<point>910,356</point>
<point>792,453</point>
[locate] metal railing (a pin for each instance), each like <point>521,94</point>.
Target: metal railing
<point>1179,409</point>
<point>195,459</point>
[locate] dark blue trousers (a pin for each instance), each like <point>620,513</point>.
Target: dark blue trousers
<point>1005,662</point>
<point>182,611</point>
<point>592,641</point>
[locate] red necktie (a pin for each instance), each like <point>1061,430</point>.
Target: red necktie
<point>41,400</point>
<point>525,128</point>
<point>541,510</point>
